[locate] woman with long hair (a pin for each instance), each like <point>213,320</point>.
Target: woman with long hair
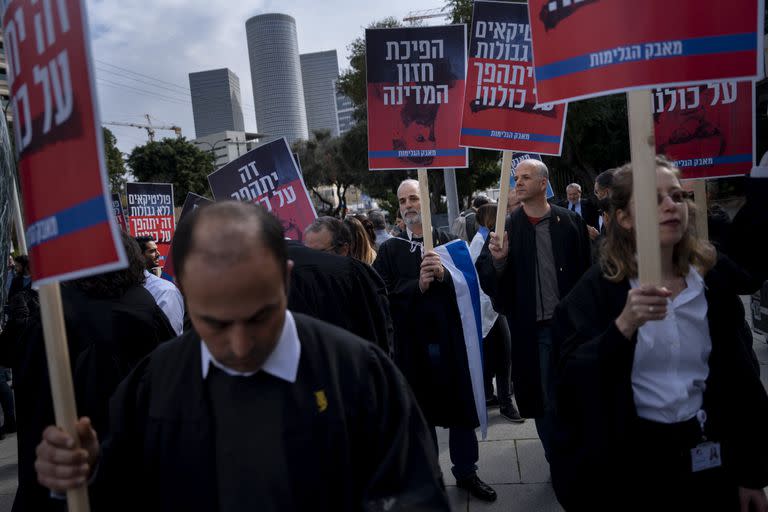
<point>361,247</point>
<point>658,407</point>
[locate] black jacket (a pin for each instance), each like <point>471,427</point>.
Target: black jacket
<point>592,459</point>
<point>342,291</point>
<point>106,339</point>
<point>429,340</point>
<point>513,291</point>
<point>369,447</point>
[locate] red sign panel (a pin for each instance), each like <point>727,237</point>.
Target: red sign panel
<point>150,213</point>
<point>585,48</point>
<point>500,109</point>
<point>67,205</point>
<point>415,80</point>
<point>707,129</point>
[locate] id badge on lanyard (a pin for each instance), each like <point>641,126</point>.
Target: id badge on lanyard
<point>706,454</point>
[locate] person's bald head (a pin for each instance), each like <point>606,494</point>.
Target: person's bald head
<point>231,264</point>
<point>226,233</point>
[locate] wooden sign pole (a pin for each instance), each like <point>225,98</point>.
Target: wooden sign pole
<point>426,215</point>
<point>700,198</point>
<point>501,211</point>
<point>59,370</point>
<point>643,150</point>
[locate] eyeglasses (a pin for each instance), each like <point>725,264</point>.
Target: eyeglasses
<point>677,196</point>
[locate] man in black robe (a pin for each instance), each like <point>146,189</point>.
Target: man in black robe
<point>271,412</point>
<point>545,251</point>
<point>112,323</point>
<point>429,341</point>
<point>342,291</point>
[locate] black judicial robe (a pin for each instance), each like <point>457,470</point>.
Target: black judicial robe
<point>106,338</point>
<point>514,291</point>
<point>429,341</point>
<point>353,438</point>
<point>594,455</point>
<point>342,291</point>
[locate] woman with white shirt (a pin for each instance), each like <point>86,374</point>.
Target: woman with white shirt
<point>658,407</point>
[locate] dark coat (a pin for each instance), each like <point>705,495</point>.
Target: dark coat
<point>368,447</point>
<point>429,340</point>
<point>106,339</point>
<point>592,459</point>
<point>342,291</point>
<point>589,211</point>
<point>513,291</point>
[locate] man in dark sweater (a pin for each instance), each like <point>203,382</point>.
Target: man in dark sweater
<point>256,408</point>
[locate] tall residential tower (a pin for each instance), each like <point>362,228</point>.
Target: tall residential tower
<point>278,93</point>
<point>216,104</point>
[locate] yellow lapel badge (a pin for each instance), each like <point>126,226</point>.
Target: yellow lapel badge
<point>322,400</point>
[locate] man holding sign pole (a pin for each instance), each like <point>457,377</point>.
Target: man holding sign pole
<point>545,251</point>
<point>429,346</point>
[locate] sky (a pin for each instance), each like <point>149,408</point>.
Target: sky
<point>165,40</point>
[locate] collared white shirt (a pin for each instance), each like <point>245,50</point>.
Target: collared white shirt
<point>282,363</point>
<point>671,367</point>
<point>577,209</point>
<point>169,298</point>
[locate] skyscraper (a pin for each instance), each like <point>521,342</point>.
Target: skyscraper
<point>345,112</point>
<point>278,95</point>
<point>319,72</point>
<point>216,104</point>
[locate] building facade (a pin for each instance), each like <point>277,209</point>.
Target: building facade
<point>278,92</point>
<point>345,112</point>
<point>319,72</point>
<point>227,145</point>
<point>216,103</point>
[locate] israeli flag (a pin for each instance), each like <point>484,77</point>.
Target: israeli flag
<point>456,260</point>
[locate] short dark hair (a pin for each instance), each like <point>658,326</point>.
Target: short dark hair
<point>377,219</point>
<point>605,179</point>
<point>266,226</point>
<point>23,260</point>
<point>479,201</point>
<point>486,215</point>
<point>143,241</point>
<point>340,233</point>
<point>112,285</point>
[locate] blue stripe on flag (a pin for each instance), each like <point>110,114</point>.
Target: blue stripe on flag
<point>65,222</point>
<point>500,134</point>
<point>691,47</point>
<point>460,255</point>
<point>416,153</point>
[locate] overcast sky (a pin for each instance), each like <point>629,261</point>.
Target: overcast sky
<point>167,39</point>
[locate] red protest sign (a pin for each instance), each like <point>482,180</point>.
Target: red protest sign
<point>150,213</point>
<point>58,138</point>
<point>415,78</point>
<point>268,176</point>
<point>500,109</point>
<point>585,48</point>
<point>707,129</point>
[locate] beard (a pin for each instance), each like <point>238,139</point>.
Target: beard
<point>412,219</point>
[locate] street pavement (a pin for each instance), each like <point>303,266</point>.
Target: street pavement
<point>511,461</point>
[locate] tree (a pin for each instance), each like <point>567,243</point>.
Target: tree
<point>114,161</point>
<point>330,161</point>
<point>173,160</point>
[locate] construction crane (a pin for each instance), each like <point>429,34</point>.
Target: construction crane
<point>149,127</point>
<point>414,16</point>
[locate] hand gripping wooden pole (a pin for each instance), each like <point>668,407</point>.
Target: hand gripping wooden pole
<point>426,216</point>
<point>60,373</point>
<point>643,150</point>
<point>501,212</point>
